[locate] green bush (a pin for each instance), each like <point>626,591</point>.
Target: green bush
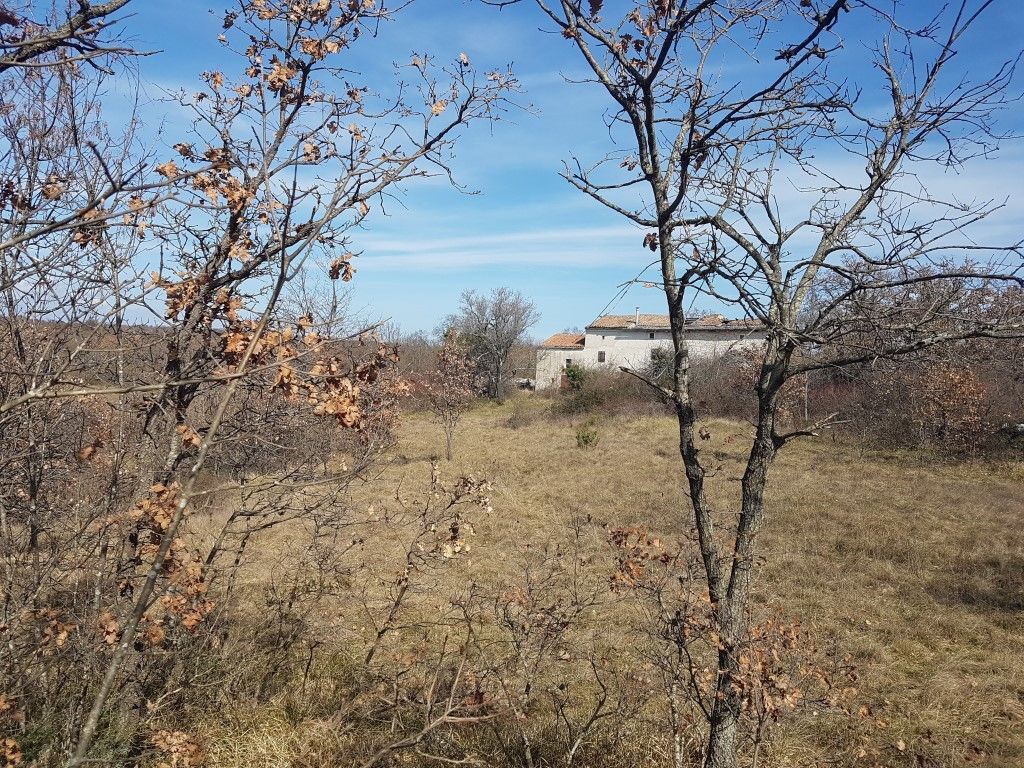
<point>586,434</point>
<point>577,376</point>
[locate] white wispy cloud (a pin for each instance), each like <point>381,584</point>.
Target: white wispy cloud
<point>576,246</point>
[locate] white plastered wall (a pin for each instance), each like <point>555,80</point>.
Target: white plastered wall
<point>631,348</point>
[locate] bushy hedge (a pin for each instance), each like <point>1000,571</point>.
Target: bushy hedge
<point>954,406</point>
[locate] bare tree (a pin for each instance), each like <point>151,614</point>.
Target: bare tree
<point>419,351</point>
<point>167,267</point>
<point>450,388</point>
<point>79,33</point>
<point>491,326</point>
<point>710,156</point>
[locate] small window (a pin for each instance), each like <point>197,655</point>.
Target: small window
<point>600,357</point>
<point>568,362</point>
<point>650,335</point>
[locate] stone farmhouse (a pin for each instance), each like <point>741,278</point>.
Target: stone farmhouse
<point>632,341</point>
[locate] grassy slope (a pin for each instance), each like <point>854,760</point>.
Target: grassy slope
<point>913,566</point>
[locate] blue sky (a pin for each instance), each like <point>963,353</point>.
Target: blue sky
<point>525,227</point>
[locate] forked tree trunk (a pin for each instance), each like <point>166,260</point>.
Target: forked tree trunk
<point>732,611</point>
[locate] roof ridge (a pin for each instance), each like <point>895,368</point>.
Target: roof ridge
<point>662,321</point>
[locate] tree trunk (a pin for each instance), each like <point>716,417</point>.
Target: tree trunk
<point>722,736</point>
<point>733,609</point>
<point>755,479</point>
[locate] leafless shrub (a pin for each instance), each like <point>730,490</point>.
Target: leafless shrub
<point>450,388</point>
<point>543,664</point>
<point>608,393</point>
<point>523,414</point>
<point>779,670</point>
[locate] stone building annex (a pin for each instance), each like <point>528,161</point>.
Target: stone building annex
<point>632,341</point>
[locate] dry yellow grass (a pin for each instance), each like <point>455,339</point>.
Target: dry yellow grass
<point>912,565</point>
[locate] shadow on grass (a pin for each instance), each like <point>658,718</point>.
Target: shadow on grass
<point>984,583</point>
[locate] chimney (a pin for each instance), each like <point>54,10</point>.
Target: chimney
<point>636,318</point>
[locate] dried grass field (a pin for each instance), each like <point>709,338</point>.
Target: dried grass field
<point>908,567</point>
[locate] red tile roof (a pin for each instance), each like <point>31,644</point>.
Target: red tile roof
<point>629,321</point>
<point>563,341</point>
<point>661,322</point>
